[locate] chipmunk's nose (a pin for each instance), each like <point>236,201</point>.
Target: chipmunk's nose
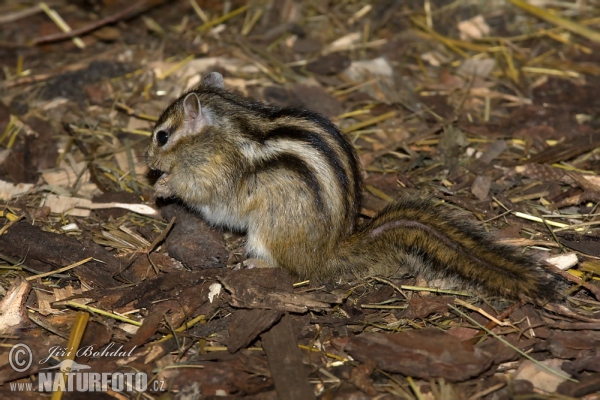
<point>151,160</point>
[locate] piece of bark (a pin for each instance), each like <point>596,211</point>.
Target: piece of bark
<point>209,328</point>
<point>514,388</point>
<point>574,345</point>
<point>149,326</point>
<point>285,362</point>
<point>481,187</point>
<point>586,244</point>
<point>38,349</point>
<point>359,377</point>
<point>586,385</point>
<point>530,316</point>
<point>241,375</point>
<point>577,366</point>
<point>271,288</point>
<point>141,266</point>
<point>162,287</point>
<point>192,241</point>
<point>424,306</point>
<point>96,336</point>
<point>575,146</point>
<point>40,248</point>
<point>318,99</point>
<point>502,353</point>
<point>541,172</point>
<point>246,325</point>
<point>329,64</point>
<point>426,353</point>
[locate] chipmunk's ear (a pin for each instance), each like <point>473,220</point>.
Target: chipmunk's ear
<point>214,79</point>
<point>195,117</point>
<point>191,107</point>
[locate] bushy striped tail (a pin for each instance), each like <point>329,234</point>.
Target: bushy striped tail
<point>436,241</point>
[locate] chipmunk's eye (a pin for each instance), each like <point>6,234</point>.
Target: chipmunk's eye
<point>162,137</point>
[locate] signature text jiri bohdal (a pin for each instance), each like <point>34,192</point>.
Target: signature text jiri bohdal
<point>88,351</point>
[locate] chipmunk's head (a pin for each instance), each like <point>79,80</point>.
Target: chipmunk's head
<point>182,120</point>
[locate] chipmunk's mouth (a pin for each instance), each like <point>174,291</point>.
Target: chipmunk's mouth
<point>154,174</point>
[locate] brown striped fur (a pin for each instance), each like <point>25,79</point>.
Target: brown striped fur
<point>290,179</point>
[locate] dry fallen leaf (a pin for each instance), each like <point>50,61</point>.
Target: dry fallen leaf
<point>474,28</point>
<point>541,378</point>
<point>14,312</point>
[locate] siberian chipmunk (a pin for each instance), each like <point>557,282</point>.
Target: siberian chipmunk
<point>291,180</point>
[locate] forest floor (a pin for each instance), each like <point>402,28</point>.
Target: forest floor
<point>492,107</point>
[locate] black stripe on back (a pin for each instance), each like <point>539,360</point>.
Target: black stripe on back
<point>274,113</point>
<point>292,162</point>
<point>337,135</point>
<point>316,142</point>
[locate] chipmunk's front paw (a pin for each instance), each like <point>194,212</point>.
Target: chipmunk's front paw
<point>161,187</point>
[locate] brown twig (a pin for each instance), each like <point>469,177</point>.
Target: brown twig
<point>492,324</point>
<point>160,237</point>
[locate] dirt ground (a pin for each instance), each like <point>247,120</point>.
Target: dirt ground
<point>491,107</point>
